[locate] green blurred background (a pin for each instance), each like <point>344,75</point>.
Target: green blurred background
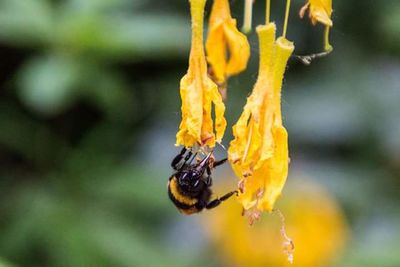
<point>89,108</point>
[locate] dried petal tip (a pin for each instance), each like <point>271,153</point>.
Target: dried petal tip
<point>288,245</point>
<point>252,215</point>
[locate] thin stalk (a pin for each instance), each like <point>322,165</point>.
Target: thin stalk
<point>267,12</point>
<point>327,45</point>
<point>248,13</point>
<point>286,18</point>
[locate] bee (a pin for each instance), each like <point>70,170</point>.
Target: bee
<point>189,187</point>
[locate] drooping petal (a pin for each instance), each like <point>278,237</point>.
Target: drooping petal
<point>319,11</point>
<point>259,151</point>
<point>199,94</point>
<point>192,113</point>
<point>212,96</point>
<point>219,109</point>
<point>225,39</point>
<point>278,164</point>
<point>277,168</point>
<point>216,52</point>
<point>239,48</point>
<point>253,108</point>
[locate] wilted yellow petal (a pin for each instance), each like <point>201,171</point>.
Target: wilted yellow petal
<point>216,53</point>
<point>225,39</point>
<point>198,93</point>
<point>277,169</point>
<point>319,11</point>
<point>239,48</point>
<point>192,113</point>
<point>252,109</point>
<point>259,151</point>
<point>219,107</point>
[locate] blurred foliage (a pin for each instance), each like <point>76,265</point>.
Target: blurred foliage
<point>89,106</point>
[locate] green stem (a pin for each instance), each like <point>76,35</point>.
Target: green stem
<point>248,13</point>
<point>267,12</point>
<point>286,18</point>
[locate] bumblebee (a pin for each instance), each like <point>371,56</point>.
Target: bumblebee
<point>189,187</point>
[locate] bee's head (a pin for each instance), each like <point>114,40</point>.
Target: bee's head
<point>190,178</point>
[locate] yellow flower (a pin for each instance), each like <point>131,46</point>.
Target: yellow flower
<point>320,11</point>
<point>223,35</point>
<point>199,93</point>
<point>259,152</point>
<point>313,221</point>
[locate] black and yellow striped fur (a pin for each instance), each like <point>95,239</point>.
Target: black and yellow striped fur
<point>189,187</point>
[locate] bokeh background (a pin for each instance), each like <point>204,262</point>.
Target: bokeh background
<point>89,108</point>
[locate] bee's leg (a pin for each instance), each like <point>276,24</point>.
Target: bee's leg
<point>214,203</point>
<point>208,179</point>
<point>188,156</point>
<point>219,162</point>
<point>178,158</point>
<point>177,163</point>
<point>191,160</point>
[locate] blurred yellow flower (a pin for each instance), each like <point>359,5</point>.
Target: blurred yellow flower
<point>223,35</point>
<point>312,219</point>
<point>199,93</point>
<point>320,11</point>
<point>259,152</point>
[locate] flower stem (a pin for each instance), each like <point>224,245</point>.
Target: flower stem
<point>327,46</point>
<point>248,12</point>
<point>197,13</point>
<point>267,11</point>
<point>286,18</point>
